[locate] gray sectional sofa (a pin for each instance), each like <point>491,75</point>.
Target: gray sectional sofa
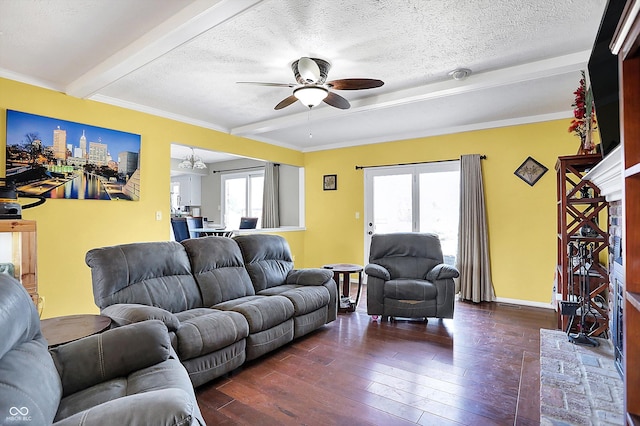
<point>125,376</point>
<point>223,300</point>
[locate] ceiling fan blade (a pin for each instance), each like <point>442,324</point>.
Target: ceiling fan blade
<point>309,69</point>
<point>337,101</point>
<point>258,83</point>
<point>286,102</point>
<point>355,83</point>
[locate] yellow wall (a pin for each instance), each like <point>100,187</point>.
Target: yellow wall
<point>67,229</point>
<point>521,218</point>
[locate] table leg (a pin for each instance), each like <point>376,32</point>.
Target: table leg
<point>359,287</point>
<point>345,284</point>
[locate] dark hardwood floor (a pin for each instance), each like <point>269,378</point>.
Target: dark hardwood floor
<point>481,368</point>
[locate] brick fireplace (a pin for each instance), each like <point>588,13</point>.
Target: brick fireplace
<point>607,175</point>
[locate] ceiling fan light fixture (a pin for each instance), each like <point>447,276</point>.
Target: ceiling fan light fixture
<point>311,95</point>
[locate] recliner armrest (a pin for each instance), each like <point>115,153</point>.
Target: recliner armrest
<point>158,407</point>
<point>130,313</point>
<point>377,271</point>
<point>114,353</point>
<point>441,272</point>
<point>309,276</point>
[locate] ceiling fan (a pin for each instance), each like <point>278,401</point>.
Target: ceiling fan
<point>313,87</point>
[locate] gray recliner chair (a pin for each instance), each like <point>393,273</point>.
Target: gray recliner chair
<point>125,376</point>
<point>407,277</point>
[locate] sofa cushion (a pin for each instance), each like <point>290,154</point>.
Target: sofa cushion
<point>154,274</point>
<point>261,312</point>
<point>212,330</point>
<point>267,258</point>
<point>305,299</point>
<point>217,265</point>
<point>28,377</point>
<point>167,374</point>
<point>406,289</point>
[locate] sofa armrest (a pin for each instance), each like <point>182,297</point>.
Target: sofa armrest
<point>159,407</point>
<point>441,272</point>
<point>377,271</point>
<point>114,353</point>
<point>130,313</point>
<point>309,276</point>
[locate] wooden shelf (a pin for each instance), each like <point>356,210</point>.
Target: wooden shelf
<point>23,253</point>
<point>574,212</point>
<point>633,299</point>
<point>632,171</point>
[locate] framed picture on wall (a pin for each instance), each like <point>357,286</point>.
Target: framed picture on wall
<point>56,158</point>
<point>530,171</point>
<point>330,182</point>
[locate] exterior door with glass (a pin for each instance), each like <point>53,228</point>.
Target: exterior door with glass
<point>414,198</point>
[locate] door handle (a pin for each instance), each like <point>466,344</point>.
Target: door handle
<point>370,233</point>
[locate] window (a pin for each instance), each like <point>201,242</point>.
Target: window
<point>417,198</point>
<point>242,196</point>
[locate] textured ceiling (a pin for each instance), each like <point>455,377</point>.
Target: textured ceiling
<point>183,59</point>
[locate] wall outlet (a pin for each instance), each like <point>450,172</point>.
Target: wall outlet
<point>158,215</point>
<point>357,215</point>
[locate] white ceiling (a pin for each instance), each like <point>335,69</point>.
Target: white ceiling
<point>182,59</point>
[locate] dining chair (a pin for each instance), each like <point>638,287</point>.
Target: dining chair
<point>248,222</point>
<point>180,228</point>
<point>193,223</point>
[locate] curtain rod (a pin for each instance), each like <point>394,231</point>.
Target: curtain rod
<point>241,168</point>
<point>482,157</point>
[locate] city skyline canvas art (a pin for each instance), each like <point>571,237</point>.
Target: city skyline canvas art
<point>55,158</point>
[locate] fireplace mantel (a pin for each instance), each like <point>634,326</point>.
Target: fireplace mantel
<point>607,175</point>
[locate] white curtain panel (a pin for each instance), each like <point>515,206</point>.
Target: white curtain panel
<point>473,241</point>
<point>270,198</point>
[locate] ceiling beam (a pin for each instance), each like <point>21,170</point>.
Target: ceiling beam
<point>195,19</point>
<point>502,77</point>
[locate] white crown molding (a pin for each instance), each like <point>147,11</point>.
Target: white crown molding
<point>21,78</point>
<point>157,112</point>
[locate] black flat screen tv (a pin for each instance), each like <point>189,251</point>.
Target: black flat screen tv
<point>603,78</point>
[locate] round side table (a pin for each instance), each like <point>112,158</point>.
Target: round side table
<point>346,269</point>
<point>59,330</point>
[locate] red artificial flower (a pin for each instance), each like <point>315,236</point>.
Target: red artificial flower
<point>579,124</point>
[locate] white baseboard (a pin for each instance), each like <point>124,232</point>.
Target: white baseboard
<point>525,303</point>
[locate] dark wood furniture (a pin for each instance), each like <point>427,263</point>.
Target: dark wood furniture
<point>626,45</point>
<point>581,220</point>
<point>346,269</point>
<point>66,329</point>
